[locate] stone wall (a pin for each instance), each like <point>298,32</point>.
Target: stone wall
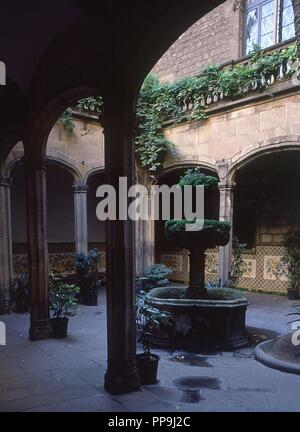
<point>236,133</point>
<point>80,150</point>
<point>215,38</point>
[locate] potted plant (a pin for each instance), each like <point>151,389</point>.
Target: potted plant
<point>21,293</point>
<point>295,323</point>
<point>87,276</point>
<point>146,318</point>
<point>63,304</point>
<point>291,259</point>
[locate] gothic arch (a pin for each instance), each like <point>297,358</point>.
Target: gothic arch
<point>271,146</point>
<point>186,164</point>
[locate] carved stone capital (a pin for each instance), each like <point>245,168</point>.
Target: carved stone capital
<point>226,187</point>
<point>80,188</point>
<point>5,181</point>
<point>223,168</point>
<point>125,122</point>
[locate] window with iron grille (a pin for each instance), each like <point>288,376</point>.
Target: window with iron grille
<point>267,22</point>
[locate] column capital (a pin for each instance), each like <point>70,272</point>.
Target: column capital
<point>5,181</point>
<point>227,187</point>
<point>80,188</point>
<point>223,168</point>
<point>124,121</point>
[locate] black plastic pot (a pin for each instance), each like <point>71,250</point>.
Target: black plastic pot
<point>147,368</point>
<point>293,294</point>
<point>91,300</point>
<point>60,327</point>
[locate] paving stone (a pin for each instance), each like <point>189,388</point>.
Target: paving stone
<point>95,403</point>
<point>10,395</point>
<point>68,375</point>
<point>29,403</point>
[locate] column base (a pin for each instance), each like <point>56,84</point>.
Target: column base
<point>122,379</point>
<point>40,330</point>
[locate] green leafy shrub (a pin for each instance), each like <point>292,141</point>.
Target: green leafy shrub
<point>87,274</point>
<point>237,261</point>
<point>148,317</point>
<point>209,225</point>
<point>66,120</point>
<point>194,177</point>
<point>91,104</point>
<point>63,302</point>
<point>291,257</point>
<point>156,276</point>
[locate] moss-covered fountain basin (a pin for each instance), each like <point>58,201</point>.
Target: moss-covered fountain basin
<point>213,233</point>
<point>216,322</point>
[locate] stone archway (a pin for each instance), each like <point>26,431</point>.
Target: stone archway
<point>265,207</point>
<point>118,70</point>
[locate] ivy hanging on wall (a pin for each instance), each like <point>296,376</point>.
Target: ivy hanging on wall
<point>186,99</point>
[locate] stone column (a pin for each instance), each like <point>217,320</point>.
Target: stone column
<point>226,214</point>
<point>80,213</point>
<point>121,375</point>
<point>40,327</point>
<point>145,233</point>
<point>6,264</point>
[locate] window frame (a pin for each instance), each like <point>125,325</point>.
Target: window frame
<point>277,25</point>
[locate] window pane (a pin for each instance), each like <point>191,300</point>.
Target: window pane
<point>267,9</point>
<point>266,40</point>
<point>287,21</point>
<point>288,16</point>
<point>288,32</point>
<point>251,30</point>
<point>250,3</point>
<point>267,25</point>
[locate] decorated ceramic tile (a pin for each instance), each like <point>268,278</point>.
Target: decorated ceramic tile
<point>248,268</point>
<point>102,262</point>
<point>212,263</point>
<point>173,261</point>
<point>274,269</point>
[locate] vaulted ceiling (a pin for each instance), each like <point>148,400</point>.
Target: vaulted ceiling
<point>52,46</point>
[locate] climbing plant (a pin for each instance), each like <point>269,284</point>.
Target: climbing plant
<point>186,99</point>
<point>66,120</point>
<point>91,104</point>
<point>237,260</point>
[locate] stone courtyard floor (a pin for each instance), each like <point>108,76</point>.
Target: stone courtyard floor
<point>67,375</point>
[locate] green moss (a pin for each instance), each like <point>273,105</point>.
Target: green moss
<point>180,293</point>
<point>176,225</point>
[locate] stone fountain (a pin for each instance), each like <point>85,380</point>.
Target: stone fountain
<point>203,318</point>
